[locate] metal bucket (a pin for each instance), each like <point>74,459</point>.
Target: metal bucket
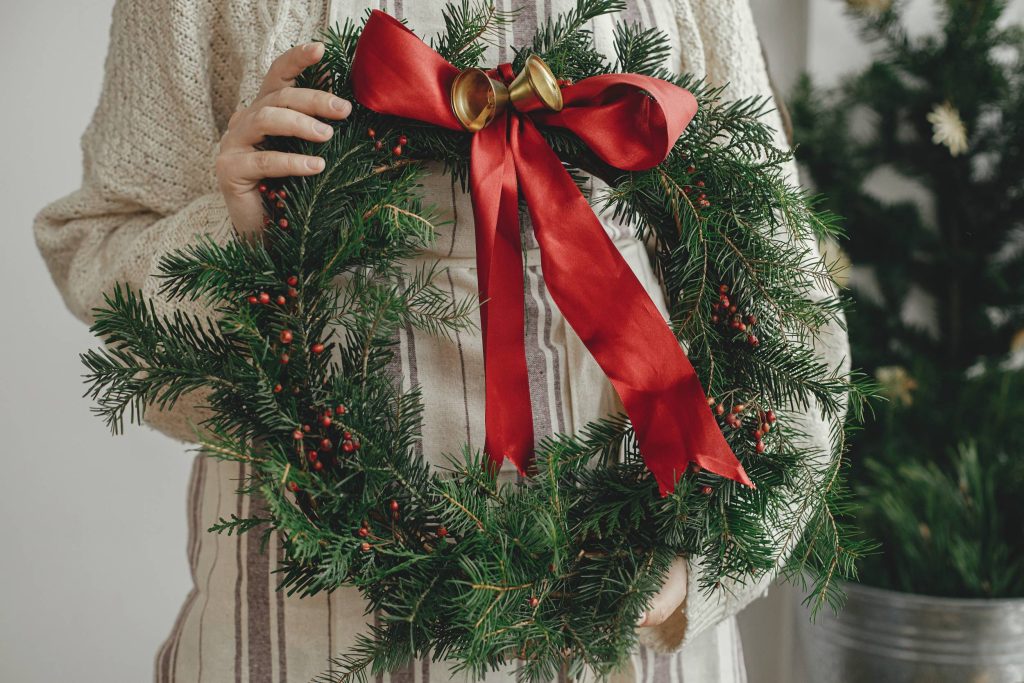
<point>883,636</point>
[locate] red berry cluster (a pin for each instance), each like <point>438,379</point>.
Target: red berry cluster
<point>274,200</point>
<point>324,447</point>
<point>379,144</point>
<point>728,313</point>
<point>701,199</point>
<point>734,418</point>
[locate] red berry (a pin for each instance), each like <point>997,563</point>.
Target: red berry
<point>284,359</point>
<point>282,194</point>
<point>292,280</point>
<point>534,601</point>
<point>706,490</point>
<point>402,139</point>
<point>355,445</point>
<point>741,327</point>
<point>297,434</point>
<point>272,195</point>
<point>262,188</point>
<point>442,531</point>
<point>280,204</point>
<point>325,444</point>
<point>760,446</point>
<point>738,408</point>
<point>691,169</point>
<point>363,532</point>
<point>719,409</point>
<point>306,428</point>
<point>724,300</point>
<point>394,506</point>
<point>317,348</point>
<point>751,319</point>
<point>365,547</point>
<point>281,301</point>
<point>283,223</point>
<point>278,388</point>
<point>715,318</point>
<point>264,298</point>
<point>397,150</point>
<point>312,455</point>
<point>292,292</point>
<point>253,300</point>
<point>700,183</point>
<point>318,466</point>
<point>378,145</point>
<point>325,422</point>
<point>346,435</point>
<point>348,446</point>
<point>340,410</point>
<point>286,336</point>
<point>293,487</point>
<point>711,400</point>
<point>770,415</point>
<point>753,341</point>
<point>371,132</point>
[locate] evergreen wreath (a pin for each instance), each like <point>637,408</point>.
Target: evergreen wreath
<point>552,570</point>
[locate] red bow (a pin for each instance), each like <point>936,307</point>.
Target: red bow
<point>631,122</point>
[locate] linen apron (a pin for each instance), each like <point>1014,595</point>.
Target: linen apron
<point>234,626</point>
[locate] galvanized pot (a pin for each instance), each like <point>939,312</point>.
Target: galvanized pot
<point>887,637</point>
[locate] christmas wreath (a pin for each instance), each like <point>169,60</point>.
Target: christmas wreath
<point>555,568</point>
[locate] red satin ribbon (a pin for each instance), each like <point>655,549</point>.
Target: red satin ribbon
<point>631,122</point>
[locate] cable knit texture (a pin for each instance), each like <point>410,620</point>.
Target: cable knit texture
<point>177,70</point>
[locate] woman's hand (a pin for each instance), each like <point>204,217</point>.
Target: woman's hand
<point>669,598</point>
<point>279,109</point>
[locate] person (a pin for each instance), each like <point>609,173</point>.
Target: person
<point>191,88</point>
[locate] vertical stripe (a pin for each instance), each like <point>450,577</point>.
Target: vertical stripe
<point>169,647</point>
<point>662,668</point>
<point>455,219</point>
<point>462,367</point>
<point>399,12</point>
<point>257,595</point>
<point>405,673</point>
<point>556,352</point>
<point>239,574</point>
<point>209,578</point>
<point>536,360</point>
<point>425,670</point>
<point>376,622</point>
<point>197,530</point>
<point>524,26</point>
<point>330,635</point>
<point>282,650</point>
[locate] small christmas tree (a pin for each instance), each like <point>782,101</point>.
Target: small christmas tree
<point>938,287</point>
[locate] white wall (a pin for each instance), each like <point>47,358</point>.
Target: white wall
<point>93,527</point>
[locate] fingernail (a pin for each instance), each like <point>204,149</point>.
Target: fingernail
<point>339,104</point>
<point>315,164</point>
<point>312,47</point>
<point>321,128</point>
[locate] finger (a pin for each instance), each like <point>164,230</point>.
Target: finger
<point>252,129</point>
<point>309,101</point>
<point>243,169</point>
<point>289,64</point>
<point>669,598</point>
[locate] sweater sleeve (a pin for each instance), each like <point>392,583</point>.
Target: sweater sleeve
<point>148,184</point>
<point>719,39</point>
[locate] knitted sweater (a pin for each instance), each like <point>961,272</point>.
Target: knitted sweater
<point>177,70</point>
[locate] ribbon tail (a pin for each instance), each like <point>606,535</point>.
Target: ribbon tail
<point>508,414</point>
<point>605,304</point>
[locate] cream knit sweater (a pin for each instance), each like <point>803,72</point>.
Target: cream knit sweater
<point>177,70</point>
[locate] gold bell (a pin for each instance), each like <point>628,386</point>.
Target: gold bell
<point>477,98</point>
